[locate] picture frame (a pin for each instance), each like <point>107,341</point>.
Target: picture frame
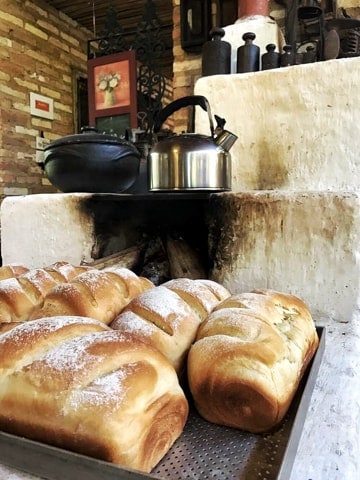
<point>41,106</point>
<point>195,24</point>
<point>112,92</point>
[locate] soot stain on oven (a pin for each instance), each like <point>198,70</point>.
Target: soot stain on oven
<point>169,230</point>
<point>238,226</point>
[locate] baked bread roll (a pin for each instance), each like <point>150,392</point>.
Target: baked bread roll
<point>20,296</point>
<point>248,358</point>
<point>163,319</point>
<point>99,294</point>
<point>168,316</point>
<point>201,294</point>
<point>76,384</point>
<point>12,270</point>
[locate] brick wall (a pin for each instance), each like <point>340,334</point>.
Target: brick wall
<point>41,51</point>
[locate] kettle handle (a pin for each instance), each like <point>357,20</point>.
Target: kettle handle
<point>181,103</point>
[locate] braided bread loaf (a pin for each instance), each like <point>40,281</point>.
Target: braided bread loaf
<point>99,294</point>
<point>12,270</point>
<point>20,296</point>
<point>75,383</point>
<point>248,358</point>
<point>168,316</point>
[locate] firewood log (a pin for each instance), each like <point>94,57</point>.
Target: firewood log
<point>127,258</point>
<point>184,261</point>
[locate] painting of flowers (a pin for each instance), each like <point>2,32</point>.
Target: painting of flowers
<point>112,88</point>
<point>112,85</point>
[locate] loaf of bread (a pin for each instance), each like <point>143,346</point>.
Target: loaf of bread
<point>168,316</point>
<point>248,358</point>
<point>20,296</point>
<point>202,295</point>
<point>74,383</point>
<point>99,294</point>
<point>12,270</point>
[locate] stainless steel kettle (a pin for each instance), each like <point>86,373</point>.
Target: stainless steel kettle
<point>190,161</point>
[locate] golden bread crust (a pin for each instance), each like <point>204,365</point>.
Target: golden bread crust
<point>95,293</point>
<point>21,295</point>
<point>163,319</point>
<point>201,295</point>
<point>12,270</point>
<point>90,389</point>
<point>168,316</point>
<point>249,357</point>
<point>27,341</point>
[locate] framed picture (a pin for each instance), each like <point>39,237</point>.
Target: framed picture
<point>112,92</point>
<point>195,24</point>
<point>41,106</point>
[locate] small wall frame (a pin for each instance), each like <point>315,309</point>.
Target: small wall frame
<point>41,106</point>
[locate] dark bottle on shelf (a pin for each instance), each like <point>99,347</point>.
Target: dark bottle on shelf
<point>270,59</point>
<point>310,54</point>
<point>248,55</point>
<point>216,54</point>
<point>288,57</point>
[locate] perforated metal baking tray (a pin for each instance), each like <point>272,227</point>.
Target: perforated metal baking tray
<point>203,451</point>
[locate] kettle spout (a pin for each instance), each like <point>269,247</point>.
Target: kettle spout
<point>225,139</point>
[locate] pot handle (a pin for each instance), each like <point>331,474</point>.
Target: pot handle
<point>89,129</point>
<point>181,103</point>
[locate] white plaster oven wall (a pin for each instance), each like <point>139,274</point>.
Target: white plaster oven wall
<point>38,230</point>
<point>298,126</point>
<point>305,243</point>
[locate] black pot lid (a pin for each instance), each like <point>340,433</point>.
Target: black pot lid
<point>89,135</point>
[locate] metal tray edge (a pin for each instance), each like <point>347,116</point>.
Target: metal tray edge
<point>52,463</point>
<point>302,410</point>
